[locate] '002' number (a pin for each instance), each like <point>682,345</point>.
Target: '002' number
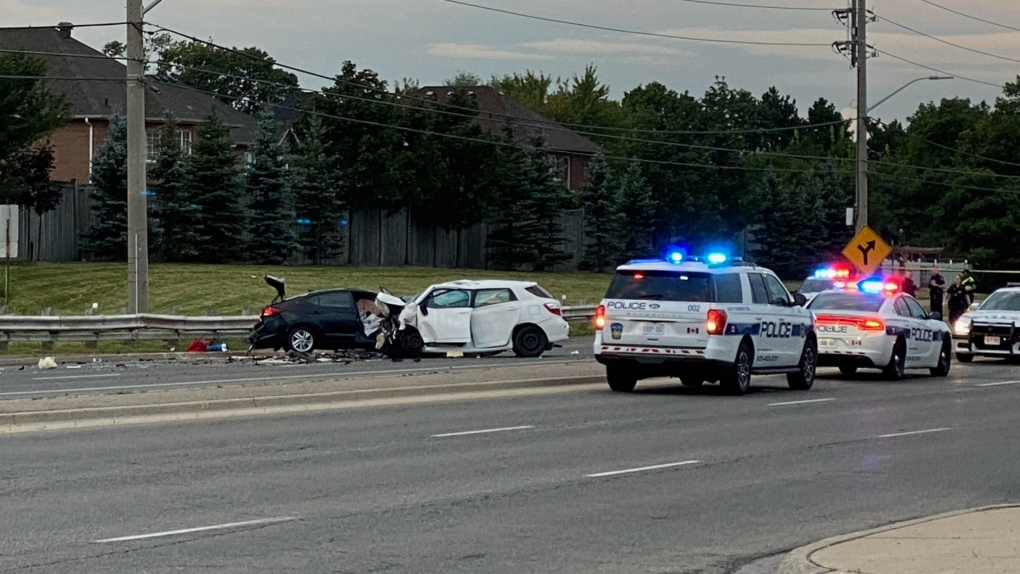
<point>694,308</point>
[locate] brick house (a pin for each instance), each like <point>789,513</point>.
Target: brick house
<point>573,152</point>
<point>95,87</point>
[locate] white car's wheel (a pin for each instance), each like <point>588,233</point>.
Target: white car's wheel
<point>530,342</point>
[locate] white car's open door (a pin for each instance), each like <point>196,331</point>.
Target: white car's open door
<point>494,317</point>
<point>444,317</point>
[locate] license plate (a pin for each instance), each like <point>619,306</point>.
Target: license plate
<point>993,341</point>
<point>653,329</point>
<point>827,343</point>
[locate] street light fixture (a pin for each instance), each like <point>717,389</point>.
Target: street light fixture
<point>862,148</point>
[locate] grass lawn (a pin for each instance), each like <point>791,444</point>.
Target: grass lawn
<point>71,288</point>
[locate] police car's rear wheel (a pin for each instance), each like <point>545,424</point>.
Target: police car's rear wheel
<point>737,379</point>
<point>945,359</point>
<point>898,362</point>
<point>804,378</point>
<point>621,379</point>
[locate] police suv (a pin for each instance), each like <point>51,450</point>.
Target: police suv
<point>877,326</point>
<point>993,330</point>
<point>703,321</point>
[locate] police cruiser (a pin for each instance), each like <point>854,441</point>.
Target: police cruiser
<point>993,330</point>
<point>703,321</point>
<point>838,277</point>
<point>879,327</point>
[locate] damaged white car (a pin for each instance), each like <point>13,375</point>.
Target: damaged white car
<point>476,318</point>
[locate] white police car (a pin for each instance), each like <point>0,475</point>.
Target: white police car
<point>702,321</point>
<point>837,276</point>
<point>878,327</point>
<point>993,330</point>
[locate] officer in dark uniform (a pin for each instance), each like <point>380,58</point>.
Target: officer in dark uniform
<point>937,291</point>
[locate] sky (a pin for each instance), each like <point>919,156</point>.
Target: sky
<point>431,40</point>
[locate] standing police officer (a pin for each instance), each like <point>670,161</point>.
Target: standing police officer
<point>969,286</point>
<point>937,291</point>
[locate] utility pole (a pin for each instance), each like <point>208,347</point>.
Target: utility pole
<point>137,209</point>
<point>860,41</point>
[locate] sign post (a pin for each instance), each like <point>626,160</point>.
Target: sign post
<point>9,215</point>
<point>867,251</point>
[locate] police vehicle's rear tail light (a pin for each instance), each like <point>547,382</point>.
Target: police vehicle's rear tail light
<point>716,322</point>
<point>871,325</point>
<point>600,317</point>
<point>861,323</point>
<point>554,308</point>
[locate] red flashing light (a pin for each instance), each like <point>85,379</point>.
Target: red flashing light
<point>639,276</point>
<point>600,317</point>
<point>715,323</point>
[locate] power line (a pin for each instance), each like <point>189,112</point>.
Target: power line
<point>61,78</point>
<point>54,27</point>
<point>933,69</point>
<point>953,149</point>
<point>633,32</point>
<point>947,184</point>
<point>948,43</point>
<point>763,6</point>
<point>958,13</point>
<point>473,110</point>
<point>61,54</point>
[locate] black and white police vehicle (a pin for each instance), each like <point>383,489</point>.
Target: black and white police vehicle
<point>993,330</point>
<point>878,327</point>
<point>703,321</point>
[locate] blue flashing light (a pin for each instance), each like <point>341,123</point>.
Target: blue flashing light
<point>825,273</point>
<point>675,257</point>
<point>872,287</point>
<point>716,258</point>
<point>304,221</point>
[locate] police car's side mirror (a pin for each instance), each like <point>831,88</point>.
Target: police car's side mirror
<point>935,316</point>
<point>799,299</point>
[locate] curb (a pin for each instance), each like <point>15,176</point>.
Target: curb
<point>94,413</point>
<point>799,560</point>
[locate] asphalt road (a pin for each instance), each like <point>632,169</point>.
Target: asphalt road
<point>574,481</point>
<point>112,376</point>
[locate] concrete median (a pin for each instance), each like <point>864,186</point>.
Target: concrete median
<point>261,398</point>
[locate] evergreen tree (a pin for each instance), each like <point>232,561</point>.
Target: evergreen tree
<point>637,213</point>
<point>179,239</point>
<point>787,226</point>
<point>544,200</point>
<point>272,231</point>
<point>510,226</point>
<point>602,219</point>
<point>107,238</point>
<point>317,203</point>
<point>213,185</point>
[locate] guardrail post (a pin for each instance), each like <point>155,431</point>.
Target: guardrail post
<point>211,312</point>
<point>47,345</point>
<point>4,345</point>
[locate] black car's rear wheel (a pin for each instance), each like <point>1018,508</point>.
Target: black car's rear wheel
<point>301,339</point>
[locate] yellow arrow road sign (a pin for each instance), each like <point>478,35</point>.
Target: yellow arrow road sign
<point>867,251</point>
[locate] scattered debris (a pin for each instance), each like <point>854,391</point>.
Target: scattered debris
<point>73,367</point>
<point>576,353</point>
<point>47,363</point>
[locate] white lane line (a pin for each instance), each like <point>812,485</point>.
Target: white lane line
<point>1003,383</point>
<point>68,377</point>
<point>484,431</point>
<point>911,433</point>
<point>643,468</point>
<point>800,402</point>
<point>338,374</point>
<point>260,522</point>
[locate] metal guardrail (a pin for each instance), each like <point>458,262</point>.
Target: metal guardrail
<point>52,329</point>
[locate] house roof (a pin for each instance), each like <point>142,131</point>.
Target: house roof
<point>288,111</point>
<point>87,80</point>
<point>494,108</point>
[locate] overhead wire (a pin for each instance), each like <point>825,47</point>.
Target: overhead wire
<point>61,54</point>
<point>762,6</point>
<point>937,70</point>
<point>947,42</point>
<point>972,17</point>
<point>631,32</point>
<point>72,26</point>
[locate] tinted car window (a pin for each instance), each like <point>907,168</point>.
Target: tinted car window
<point>450,300</point>
<point>758,290</point>
<point>1002,301</point>
<point>341,299</point>
<point>487,297</point>
<point>778,295</point>
<point>728,288</point>
<point>847,302</point>
<point>916,311</point>
<point>901,307</point>
<point>537,291</point>
<point>816,286</point>
<point>661,286</point>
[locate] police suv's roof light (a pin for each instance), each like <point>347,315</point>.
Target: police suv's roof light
<point>676,256</point>
<point>871,286</point>
<point>716,258</point>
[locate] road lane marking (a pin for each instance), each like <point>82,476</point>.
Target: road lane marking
<point>68,377</point>
<point>800,402</point>
<point>643,468</point>
<point>309,376</point>
<point>260,522</point>
<point>911,433</point>
<point>484,431</point>
<point>1003,383</point>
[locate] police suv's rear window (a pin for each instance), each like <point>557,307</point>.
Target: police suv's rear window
<point>816,286</point>
<point>675,286</point>
<point>847,302</point>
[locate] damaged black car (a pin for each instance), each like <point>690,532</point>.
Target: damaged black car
<point>332,319</point>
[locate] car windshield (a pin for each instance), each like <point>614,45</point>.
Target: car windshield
<point>662,286</point>
<point>1002,301</point>
<point>847,302</point>
<point>814,285</point>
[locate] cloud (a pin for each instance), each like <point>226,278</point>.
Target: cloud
<point>594,47</point>
<point>481,52</point>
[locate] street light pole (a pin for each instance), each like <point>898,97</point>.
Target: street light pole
<point>137,209</point>
<point>905,86</point>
